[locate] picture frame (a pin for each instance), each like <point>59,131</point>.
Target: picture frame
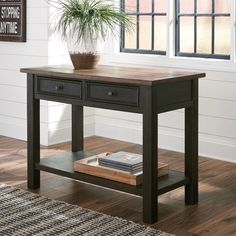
<point>13,20</point>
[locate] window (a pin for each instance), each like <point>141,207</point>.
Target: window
<point>149,34</point>
<point>203,28</point>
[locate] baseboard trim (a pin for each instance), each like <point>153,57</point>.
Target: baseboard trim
<point>64,135</point>
<point>18,130</point>
<point>174,141</point>
<point>214,148</point>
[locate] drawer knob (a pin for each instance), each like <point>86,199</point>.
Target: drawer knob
<point>59,87</point>
<point>110,93</point>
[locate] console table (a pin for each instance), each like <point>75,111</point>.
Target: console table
<point>138,90</point>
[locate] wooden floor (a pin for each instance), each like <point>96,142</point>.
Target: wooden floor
<point>214,215</point>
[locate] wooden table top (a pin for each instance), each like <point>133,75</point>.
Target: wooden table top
<point>114,74</point>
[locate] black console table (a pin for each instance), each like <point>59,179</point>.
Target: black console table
<point>139,90</point>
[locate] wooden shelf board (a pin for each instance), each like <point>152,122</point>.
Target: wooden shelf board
<point>62,164</point>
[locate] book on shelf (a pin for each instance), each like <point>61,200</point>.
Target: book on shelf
<point>91,166</point>
<point>125,161</point>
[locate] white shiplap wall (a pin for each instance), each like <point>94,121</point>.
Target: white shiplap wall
<point>13,56</point>
<point>41,48</point>
<point>217,98</point>
<point>217,120</point>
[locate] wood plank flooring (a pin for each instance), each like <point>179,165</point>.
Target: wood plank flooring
<point>214,215</point>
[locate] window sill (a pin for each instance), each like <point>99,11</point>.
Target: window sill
<point>189,63</point>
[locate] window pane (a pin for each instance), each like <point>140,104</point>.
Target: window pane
<point>130,6</point>
<point>160,40</point>
<point>161,6</point>
<point>145,36</point>
<point>145,6</point>
<point>204,32</point>
<point>222,35</point>
<point>204,6</point>
<point>186,6</point>
<point>130,36</point>
<point>206,40</point>
<point>222,6</point>
<point>187,34</point>
<point>145,32</point>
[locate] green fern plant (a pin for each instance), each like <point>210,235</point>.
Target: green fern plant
<point>88,19</point>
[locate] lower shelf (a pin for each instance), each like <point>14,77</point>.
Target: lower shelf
<point>62,165</point>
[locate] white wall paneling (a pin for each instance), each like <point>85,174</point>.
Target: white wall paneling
<point>12,78</point>
<point>42,48</point>
<point>217,103</point>
<point>217,120</point>
<point>13,93</point>
<point>217,106</point>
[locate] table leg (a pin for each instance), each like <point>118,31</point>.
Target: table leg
<point>150,203</point>
<point>77,128</point>
<point>33,135</point>
<point>191,148</point>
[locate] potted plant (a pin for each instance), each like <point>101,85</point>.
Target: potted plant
<point>84,25</point>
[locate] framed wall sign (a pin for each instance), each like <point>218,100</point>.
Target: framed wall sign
<point>13,20</point>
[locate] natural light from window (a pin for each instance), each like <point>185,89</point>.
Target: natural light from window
<point>150,21</point>
<point>202,27</point>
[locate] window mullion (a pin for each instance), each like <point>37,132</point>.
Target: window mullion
<point>233,32</point>
<point>177,27</point>
<point>153,24</point>
<point>138,27</point>
<point>122,29</point>
<point>170,28</point>
<point>195,26</point>
<point>213,28</point>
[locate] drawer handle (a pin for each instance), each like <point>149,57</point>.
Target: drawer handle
<point>59,87</point>
<point>111,93</point>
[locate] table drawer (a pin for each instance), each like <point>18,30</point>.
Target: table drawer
<point>58,87</point>
<point>109,93</point>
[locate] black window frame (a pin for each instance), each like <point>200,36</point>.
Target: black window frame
<point>138,14</point>
<point>213,15</point>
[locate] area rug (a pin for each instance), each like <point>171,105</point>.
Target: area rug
<point>23,213</point>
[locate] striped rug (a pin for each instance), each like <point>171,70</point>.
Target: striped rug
<point>26,214</point>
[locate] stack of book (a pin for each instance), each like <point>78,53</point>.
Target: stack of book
<point>123,167</point>
<point>125,161</point>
